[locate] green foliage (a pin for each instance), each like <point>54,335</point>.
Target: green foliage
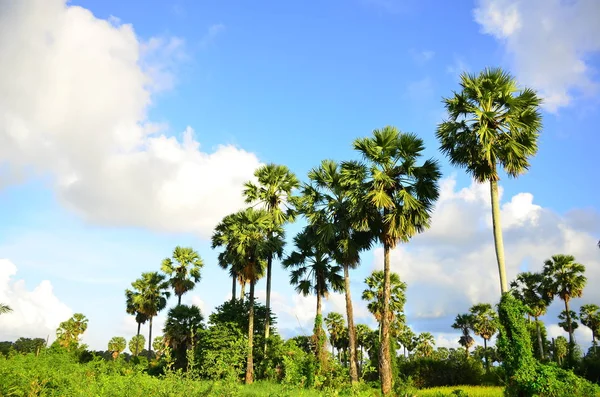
<point>221,352</point>
<point>180,330</point>
<point>136,344</point>
<point>430,372</point>
<point>28,345</point>
<point>116,345</point>
<point>183,270</point>
<point>69,332</point>
<point>236,312</point>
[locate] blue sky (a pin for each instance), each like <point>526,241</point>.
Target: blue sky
<point>89,199</point>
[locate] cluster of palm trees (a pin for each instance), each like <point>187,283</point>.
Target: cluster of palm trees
<point>149,293</point>
<point>482,319</point>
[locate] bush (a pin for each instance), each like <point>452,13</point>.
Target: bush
<point>429,372</point>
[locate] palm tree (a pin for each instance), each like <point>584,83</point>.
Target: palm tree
<point>565,279</point>
<point>485,324</point>
<point>590,317</point>
<point>567,319</point>
<point>396,197</point>
<point>491,124</point>
<point>250,236</point>
<point>312,272</point>
<point>183,270</point>
<point>4,308</point>
<point>68,332</point>
<point>363,333</point>
<point>406,337</point>
<point>424,344</point>
<point>464,322</point>
<point>326,202</point>
<point>180,330</point>
<point>374,295</point>
<point>531,289</point>
<point>136,344</point>
<point>133,308</point>
<point>275,185</point>
<point>116,346</point>
<point>151,298</point>
<point>335,326</point>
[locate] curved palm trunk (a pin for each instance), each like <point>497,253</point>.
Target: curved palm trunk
<point>385,365</point>
<point>268,299</point>
<point>539,337</point>
<point>498,241</point>
<point>250,360</point>
<point>351,329</point>
<point>150,339</point>
<point>233,287</point>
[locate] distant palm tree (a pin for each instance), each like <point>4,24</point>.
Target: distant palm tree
<point>183,270</point>
<point>464,322</point>
<point>116,346</point>
<point>313,272</point>
<point>485,324</point>
<point>335,326</point>
<point>180,330</point>
<point>374,295</point>
<point>491,124</point>
<point>567,320</point>
<point>566,280</point>
<point>69,332</point>
<point>275,185</point>
<point>136,344</point>
<point>363,333</point>
<point>133,308</point>
<point>590,317</point>
<point>326,203</point>
<point>4,308</point>
<point>531,289</point>
<point>424,344</point>
<point>396,196</point>
<point>152,297</point>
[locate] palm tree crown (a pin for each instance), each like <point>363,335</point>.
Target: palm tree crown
<point>183,270</point>
<point>374,294</point>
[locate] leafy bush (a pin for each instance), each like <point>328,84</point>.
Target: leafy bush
<point>454,371</point>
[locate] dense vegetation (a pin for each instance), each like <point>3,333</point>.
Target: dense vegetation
<point>383,198</point>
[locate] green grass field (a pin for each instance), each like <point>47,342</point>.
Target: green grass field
<point>471,391</point>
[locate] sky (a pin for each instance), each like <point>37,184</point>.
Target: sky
<point>127,128</point>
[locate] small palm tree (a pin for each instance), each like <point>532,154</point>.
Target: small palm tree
<point>313,272</point>
<point>424,344</point>
<point>335,326</point>
<point>275,185</point>
<point>491,124</point>
<point>69,332</point>
<point>4,308</point>
<point>152,297</point>
<point>565,279</point>
<point>464,322</point>
<point>485,324</point>
<point>180,330</point>
<point>183,270</point>
<point>116,346</point>
<point>136,344</point>
<point>363,333</point>
<point>374,295</point>
<point>395,196</point>
<point>590,317</point>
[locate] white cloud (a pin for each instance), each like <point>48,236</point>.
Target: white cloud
<point>421,57</point>
<point>75,93</point>
<point>36,313</point>
<point>548,41</point>
<point>455,262</point>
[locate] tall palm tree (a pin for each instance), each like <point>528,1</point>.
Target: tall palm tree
<point>251,236</point>
<point>152,297</point>
<point>335,326</point>
<point>183,270</point>
<point>531,289</point>
<point>491,124</point>
<point>565,279</point>
<point>326,202</point>
<point>424,344</point>
<point>396,196</point>
<point>485,324</point>
<point>374,295</point>
<point>590,317</point>
<point>313,272</point>
<point>275,185</point>
<point>133,308</point>
<point>464,322</point>
<point>4,308</point>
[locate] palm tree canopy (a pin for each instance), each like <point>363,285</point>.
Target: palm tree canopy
<point>132,307</point>
<point>311,267</point>
<point>335,326</point>
<point>374,294</point>
<point>275,184</point>
<point>395,194</point>
<point>532,290</point>
<point>153,293</point>
<point>117,344</point>
<point>181,325</point>
<point>4,308</point>
<point>564,323</point>
<point>424,344</point>
<point>565,277</point>
<point>490,122</point>
<point>590,317</point>
<point>183,269</point>
<point>464,322</point>
<point>485,320</point>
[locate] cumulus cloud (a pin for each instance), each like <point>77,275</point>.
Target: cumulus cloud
<point>548,42</point>
<point>36,313</point>
<point>75,94</point>
<point>455,262</point>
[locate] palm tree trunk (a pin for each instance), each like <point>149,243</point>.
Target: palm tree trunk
<point>268,299</point>
<point>569,323</point>
<point>466,351</point>
<point>385,367</point>
<point>233,287</point>
<point>250,361</point>
<point>242,291</point>
<point>498,242</point>
<point>318,331</point>
<point>150,338</point>
<point>178,300</point>
<point>136,339</point>
<point>351,329</point>
<point>485,354</point>
<point>539,338</point>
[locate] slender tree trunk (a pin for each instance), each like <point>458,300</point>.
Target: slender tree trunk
<point>594,343</point>
<point>150,339</point>
<point>318,331</point>
<point>242,291</point>
<point>385,368</point>
<point>178,300</point>
<point>498,242</point>
<point>351,329</point>
<point>250,361</point>
<point>467,351</point>
<point>268,300</point>
<point>233,287</point>
<point>136,339</point>
<point>539,337</point>
<point>485,354</point>
<point>569,323</point>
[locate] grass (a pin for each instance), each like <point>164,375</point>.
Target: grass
<point>471,391</point>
